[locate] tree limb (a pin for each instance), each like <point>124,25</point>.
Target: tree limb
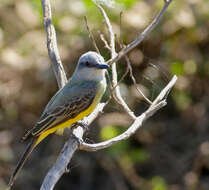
<point>52,44</point>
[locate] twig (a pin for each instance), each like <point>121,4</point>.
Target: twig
<point>123,76</point>
<point>91,35</point>
<point>104,41</point>
<point>52,44</point>
<point>120,36</point>
<point>141,37</point>
<point>158,103</point>
<point>134,80</point>
<point>159,69</point>
<point>112,95</point>
<point>165,91</point>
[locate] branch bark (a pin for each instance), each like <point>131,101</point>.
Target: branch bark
<point>52,44</point>
<point>114,68</point>
<point>75,142</point>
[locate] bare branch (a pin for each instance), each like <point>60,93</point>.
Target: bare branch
<point>109,28</point>
<point>120,35</point>
<point>141,37</point>
<point>124,75</point>
<point>159,102</point>
<point>112,95</point>
<point>60,165</point>
<point>104,41</point>
<point>91,35</point>
<point>114,69</point>
<point>95,113</point>
<point>52,44</point>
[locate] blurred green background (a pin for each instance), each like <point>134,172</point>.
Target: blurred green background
<point>170,151</point>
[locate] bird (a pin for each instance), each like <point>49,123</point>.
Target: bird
<point>76,100</point>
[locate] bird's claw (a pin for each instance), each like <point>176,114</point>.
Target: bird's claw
<point>82,124</point>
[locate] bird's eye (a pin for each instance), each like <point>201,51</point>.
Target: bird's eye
<point>87,63</point>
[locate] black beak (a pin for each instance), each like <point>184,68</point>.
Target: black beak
<point>102,66</point>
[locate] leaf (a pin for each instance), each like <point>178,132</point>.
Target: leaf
<point>109,132</point>
<point>177,68</point>
<point>158,183</point>
<point>138,155</point>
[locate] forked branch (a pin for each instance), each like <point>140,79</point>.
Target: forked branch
<point>114,68</point>
<point>158,103</point>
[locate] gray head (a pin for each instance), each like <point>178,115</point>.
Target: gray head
<point>91,66</point>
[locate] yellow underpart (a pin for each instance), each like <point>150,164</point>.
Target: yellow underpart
<point>59,131</point>
<point>69,122</point>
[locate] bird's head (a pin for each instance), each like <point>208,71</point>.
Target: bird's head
<point>91,66</point>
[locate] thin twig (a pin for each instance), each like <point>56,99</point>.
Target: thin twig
<point>134,80</point>
<point>104,41</point>
<point>123,76</point>
<point>114,69</point>
<point>165,91</point>
<point>52,44</point>
<point>160,69</point>
<point>91,35</point>
<point>112,95</point>
<point>120,37</point>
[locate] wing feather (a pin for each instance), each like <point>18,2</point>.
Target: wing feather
<point>67,104</point>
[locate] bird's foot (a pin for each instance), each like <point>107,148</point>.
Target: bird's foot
<point>82,124</point>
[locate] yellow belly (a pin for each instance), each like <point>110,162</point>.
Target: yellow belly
<point>69,122</point>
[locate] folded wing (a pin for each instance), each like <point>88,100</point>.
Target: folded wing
<point>66,104</point>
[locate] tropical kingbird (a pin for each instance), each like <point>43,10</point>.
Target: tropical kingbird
<point>77,99</point>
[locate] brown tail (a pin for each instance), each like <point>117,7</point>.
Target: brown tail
<point>21,162</point>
